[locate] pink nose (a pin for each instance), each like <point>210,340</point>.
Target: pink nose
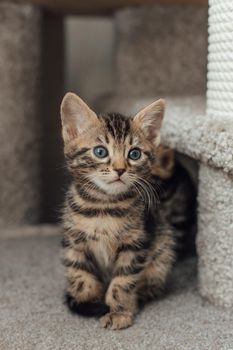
<point>119,171</point>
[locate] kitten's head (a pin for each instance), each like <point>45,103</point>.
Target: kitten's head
<point>113,152</point>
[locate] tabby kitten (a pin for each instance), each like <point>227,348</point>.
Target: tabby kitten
<point>118,244</point>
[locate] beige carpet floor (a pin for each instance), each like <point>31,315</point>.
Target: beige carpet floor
<point>33,317</point>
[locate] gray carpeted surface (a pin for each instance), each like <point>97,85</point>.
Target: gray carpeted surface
<point>32,315</point>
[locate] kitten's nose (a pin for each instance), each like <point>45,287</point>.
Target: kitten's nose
<point>120,171</point>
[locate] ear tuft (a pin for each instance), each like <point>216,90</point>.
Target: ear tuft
<point>150,119</point>
<point>76,116</point>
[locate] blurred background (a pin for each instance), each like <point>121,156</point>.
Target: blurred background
<point>89,54</point>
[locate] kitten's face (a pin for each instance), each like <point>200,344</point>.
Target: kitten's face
<point>112,152</point>
<point>114,155</point>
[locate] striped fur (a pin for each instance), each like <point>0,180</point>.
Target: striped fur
<point>118,244</point>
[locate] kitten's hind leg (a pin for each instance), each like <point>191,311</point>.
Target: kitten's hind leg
<point>148,292</point>
<point>88,308</point>
<point>160,262</point>
<point>85,293</point>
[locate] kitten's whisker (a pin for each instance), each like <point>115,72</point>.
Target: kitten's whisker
<point>141,193</point>
<point>133,181</point>
<point>151,187</point>
<point>147,187</point>
<point>88,186</point>
<point>147,197</point>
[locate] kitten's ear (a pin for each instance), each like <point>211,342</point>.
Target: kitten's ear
<point>165,162</point>
<point>76,117</point>
<point>150,119</point>
<point>166,157</point>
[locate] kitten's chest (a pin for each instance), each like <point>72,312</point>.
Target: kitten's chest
<point>103,237</point>
<point>101,227</point>
<point>104,250</point>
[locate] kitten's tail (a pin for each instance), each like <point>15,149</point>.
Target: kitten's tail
<point>88,309</point>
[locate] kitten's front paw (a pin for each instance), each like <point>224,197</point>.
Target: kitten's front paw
<point>117,320</point>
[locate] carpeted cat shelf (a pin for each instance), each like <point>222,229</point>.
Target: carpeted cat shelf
<point>161,51</point>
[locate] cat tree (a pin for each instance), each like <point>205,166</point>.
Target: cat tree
<point>148,64</point>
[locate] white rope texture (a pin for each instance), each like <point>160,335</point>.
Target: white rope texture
<point>220,59</point>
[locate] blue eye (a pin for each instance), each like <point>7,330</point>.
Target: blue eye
<point>134,154</point>
<point>100,152</point>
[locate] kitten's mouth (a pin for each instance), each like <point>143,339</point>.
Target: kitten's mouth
<point>119,180</point>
